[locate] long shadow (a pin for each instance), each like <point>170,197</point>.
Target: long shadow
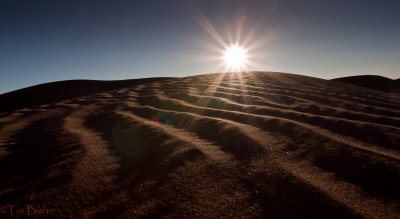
<point>369,133</point>
<point>374,174</point>
<point>31,153</point>
<point>145,155</point>
<point>280,196</point>
<point>229,138</point>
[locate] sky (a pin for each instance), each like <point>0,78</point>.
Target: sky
<point>43,41</point>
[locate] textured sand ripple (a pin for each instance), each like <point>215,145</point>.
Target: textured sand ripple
<point>237,145</point>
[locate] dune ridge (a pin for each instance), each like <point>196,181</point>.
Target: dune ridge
<point>375,82</point>
<point>52,92</point>
<point>224,145</point>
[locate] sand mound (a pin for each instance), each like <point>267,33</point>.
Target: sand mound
<point>249,145</point>
<point>49,93</point>
<point>373,82</point>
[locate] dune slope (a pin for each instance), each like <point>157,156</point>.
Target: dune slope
<point>235,145</point>
<point>49,93</point>
<point>373,82</point>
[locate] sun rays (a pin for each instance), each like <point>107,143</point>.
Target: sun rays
<point>234,48</point>
<point>236,45</point>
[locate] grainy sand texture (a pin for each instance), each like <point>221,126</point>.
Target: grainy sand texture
<point>226,145</point>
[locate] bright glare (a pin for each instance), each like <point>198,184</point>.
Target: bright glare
<point>235,57</point>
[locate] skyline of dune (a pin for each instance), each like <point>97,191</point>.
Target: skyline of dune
<point>45,40</point>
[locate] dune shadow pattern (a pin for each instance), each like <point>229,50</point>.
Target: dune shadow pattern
<point>227,145</point>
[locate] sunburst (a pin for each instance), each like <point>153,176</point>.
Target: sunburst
<point>235,57</point>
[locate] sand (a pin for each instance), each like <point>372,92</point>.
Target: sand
<point>234,145</point>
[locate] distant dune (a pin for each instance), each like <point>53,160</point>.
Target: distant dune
<point>373,82</point>
<point>235,145</point>
<point>61,90</point>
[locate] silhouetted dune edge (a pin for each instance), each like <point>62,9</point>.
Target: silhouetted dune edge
<point>375,82</point>
<point>62,90</point>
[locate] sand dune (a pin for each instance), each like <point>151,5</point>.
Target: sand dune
<point>235,145</point>
<point>373,82</point>
<point>49,93</point>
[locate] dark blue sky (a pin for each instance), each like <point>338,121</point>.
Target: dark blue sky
<point>42,41</point>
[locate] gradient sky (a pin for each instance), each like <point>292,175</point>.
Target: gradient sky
<point>43,41</point>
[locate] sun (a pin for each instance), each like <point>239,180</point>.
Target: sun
<point>235,57</point>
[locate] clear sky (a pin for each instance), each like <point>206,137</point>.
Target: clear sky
<point>43,41</point>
